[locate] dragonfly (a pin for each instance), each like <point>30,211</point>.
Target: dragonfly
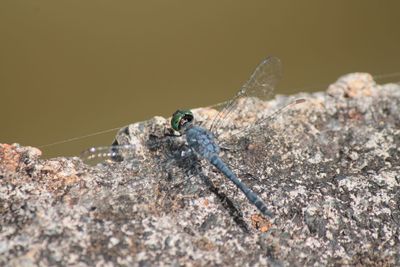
<point>202,141</point>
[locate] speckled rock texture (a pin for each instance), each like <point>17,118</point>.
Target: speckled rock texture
<point>329,169</point>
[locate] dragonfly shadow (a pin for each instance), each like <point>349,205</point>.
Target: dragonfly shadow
<point>228,204</point>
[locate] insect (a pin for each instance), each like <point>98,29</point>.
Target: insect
<point>202,141</point>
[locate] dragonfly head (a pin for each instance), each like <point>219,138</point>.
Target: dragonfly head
<point>181,119</point>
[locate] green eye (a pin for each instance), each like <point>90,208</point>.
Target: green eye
<point>180,118</point>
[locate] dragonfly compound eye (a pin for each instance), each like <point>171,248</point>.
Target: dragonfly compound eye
<point>180,118</point>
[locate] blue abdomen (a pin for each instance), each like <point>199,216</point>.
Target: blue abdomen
<point>202,142</point>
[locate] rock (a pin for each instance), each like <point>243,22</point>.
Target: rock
<point>328,169</point>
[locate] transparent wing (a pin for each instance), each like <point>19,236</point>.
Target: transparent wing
<point>262,122</point>
<point>116,153</point>
<point>261,84</point>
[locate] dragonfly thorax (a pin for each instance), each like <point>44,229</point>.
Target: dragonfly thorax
<point>201,141</point>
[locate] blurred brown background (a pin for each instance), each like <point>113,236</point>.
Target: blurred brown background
<point>70,68</point>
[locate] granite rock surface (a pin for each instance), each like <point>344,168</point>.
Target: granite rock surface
<point>329,169</point>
